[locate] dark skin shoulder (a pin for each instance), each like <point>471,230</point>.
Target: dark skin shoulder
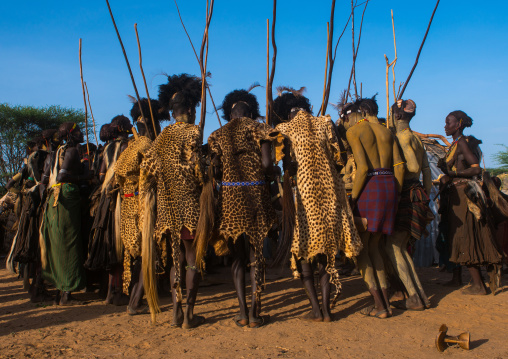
<point>75,170</point>
<point>103,169</point>
<point>463,160</point>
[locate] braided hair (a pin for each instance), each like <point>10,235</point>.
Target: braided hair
<point>65,130</point>
<point>463,118</point>
<point>122,124</point>
<point>107,133</point>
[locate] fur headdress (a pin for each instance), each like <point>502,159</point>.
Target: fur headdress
<point>158,113</point>
<point>289,98</point>
<point>240,96</point>
<point>181,90</point>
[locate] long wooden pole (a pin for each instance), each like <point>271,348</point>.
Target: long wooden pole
<point>393,67</point>
<point>203,58</point>
<point>91,114</point>
<point>199,63</point>
<point>144,81</point>
<point>352,76</point>
<point>127,62</point>
<point>267,71</point>
<point>274,61</point>
<point>419,52</point>
<point>84,99</point>
<point>388,64</point>
<point>322,109</point>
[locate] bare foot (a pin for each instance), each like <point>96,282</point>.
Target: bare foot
<point>177,317</point>
<point>196,321</point>
<point>311,317</point>
<point>474,290</point>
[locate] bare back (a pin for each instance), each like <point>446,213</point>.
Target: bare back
<point>373,147</point>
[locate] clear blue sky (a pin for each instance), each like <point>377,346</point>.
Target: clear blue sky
<point>462,66</point>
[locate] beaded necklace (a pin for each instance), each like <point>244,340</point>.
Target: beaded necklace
<point>454,143</point>
<point>362,121</point>
<point>452,146</point>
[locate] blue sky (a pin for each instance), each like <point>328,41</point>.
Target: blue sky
<point>462,66</point>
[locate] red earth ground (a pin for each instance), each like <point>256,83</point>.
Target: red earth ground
<point>94,330</point>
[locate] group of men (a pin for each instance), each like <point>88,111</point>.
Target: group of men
<point>157,202</point>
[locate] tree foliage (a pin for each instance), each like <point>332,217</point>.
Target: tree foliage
<point>502,157</point>
<point>19,124</point>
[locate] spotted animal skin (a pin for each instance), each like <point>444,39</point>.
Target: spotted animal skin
<point>127,169</point>
<point>173,164</point>
<point>324,220</point>
<point>244,204</point>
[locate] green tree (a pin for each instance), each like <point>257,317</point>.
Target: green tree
<point>501,158</point>
<point>18,124</point>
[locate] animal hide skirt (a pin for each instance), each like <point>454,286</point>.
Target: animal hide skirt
<point>472,238</point>
<point>27,245</point>
<point>101,247</point>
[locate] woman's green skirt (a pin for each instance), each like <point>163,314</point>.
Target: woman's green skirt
<point>61,233</point>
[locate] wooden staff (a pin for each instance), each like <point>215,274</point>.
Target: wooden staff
<point>267,70</point>
<point>353,72</point>
<point>127,62</point>
<point>84,100</point>
<point>199,63</point>
<point>91,113</point>
<point>419,51</point>
<point>274,61</point>
<point>388,64</point>
<point>395,47</point>
<point>331,59</point>
<point>321,110</point>
<point>144,80</point>
<point>389,119</point>
<point>203,61</point>
<point>352,76</point>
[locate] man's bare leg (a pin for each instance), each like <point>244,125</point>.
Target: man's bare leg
<point>178,316</point>
<point>238,272</point>
<point>395,247</point>
<point>367,271</point>
<point>324,282</point>
<point>192,283</point>
<point>307,278</point>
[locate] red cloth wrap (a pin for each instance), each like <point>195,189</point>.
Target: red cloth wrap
<point>378,202</point>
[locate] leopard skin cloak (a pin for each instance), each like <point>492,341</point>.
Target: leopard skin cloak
<point>127,169</point>
<point>243,208</point>
<point>324,220</point>
<point>173,164</point>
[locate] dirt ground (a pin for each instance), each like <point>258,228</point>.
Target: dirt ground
<point>94,330</point>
